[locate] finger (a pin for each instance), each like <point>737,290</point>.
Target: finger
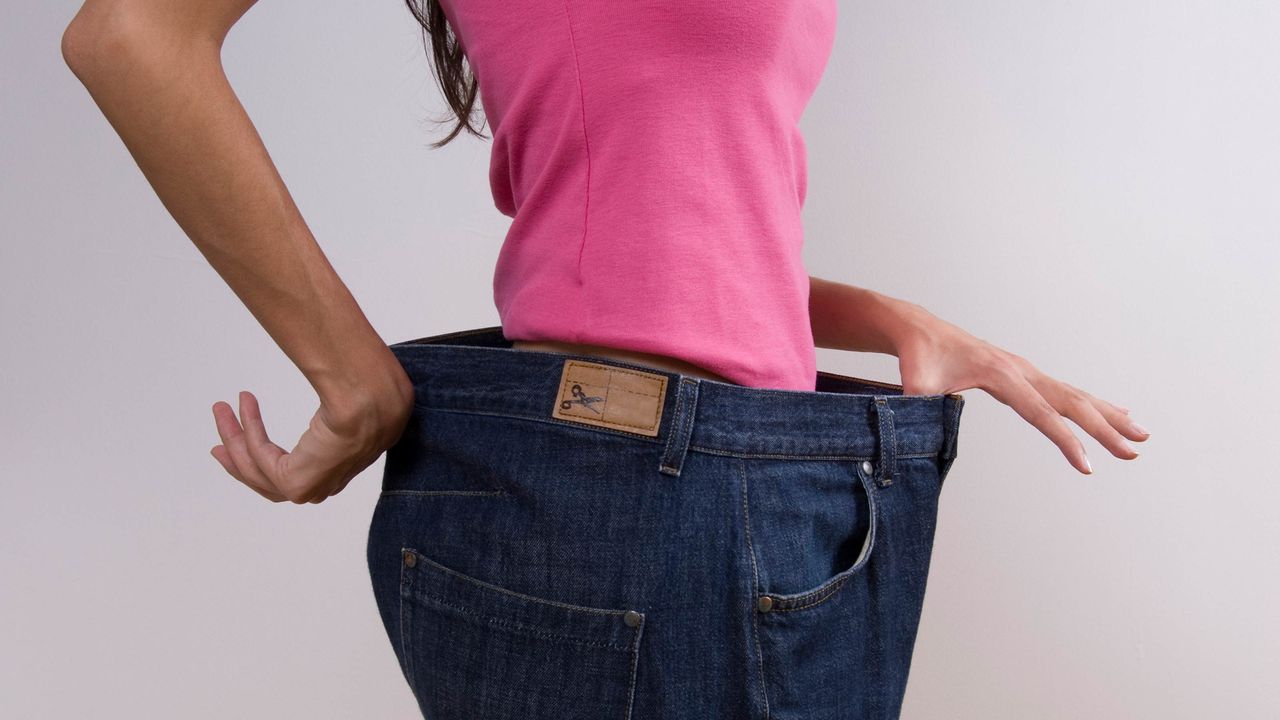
<point>1119,419</point>
<point>1115,415</point>
<point>219,453</point>
<point>265,454</point>
<point>1012,389</point>
<point>1077,407</point>
<point>224,458</point>
<point>233,438</point>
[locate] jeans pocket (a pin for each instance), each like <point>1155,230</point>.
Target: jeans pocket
<point>474,649</point>
<point>863,536</point>
<point>819,648</point>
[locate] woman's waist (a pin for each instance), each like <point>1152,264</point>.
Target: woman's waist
<point>665,362</point>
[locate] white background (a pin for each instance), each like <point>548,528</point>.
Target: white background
<point>1093,185</point>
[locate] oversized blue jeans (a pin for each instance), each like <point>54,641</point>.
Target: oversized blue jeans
<point>577,537</point>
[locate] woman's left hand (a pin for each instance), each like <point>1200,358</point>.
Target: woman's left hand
<point>938,357</point>
<point>343,438</point>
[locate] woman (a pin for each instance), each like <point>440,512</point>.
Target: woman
<point>637,497</point>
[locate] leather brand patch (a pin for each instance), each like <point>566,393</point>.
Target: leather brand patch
<point>612,397</point>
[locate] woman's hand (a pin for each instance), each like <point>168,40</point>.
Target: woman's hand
<point>343,438</point>
<point>935,356</point>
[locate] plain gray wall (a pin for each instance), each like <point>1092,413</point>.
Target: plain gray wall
<point>1093,185</point>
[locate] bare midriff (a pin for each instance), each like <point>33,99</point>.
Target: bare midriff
<point>665,362</point>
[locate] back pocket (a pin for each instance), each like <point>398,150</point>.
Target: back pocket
<point>473,649</point>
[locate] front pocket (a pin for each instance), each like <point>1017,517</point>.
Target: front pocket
<point>474,649</point>
<point>820,649</point>
<point>841,512</point>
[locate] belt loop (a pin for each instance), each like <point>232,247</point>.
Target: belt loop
<point>951,435</point>
<point>888,442</point>
<point>950,427</point>
<point>681,427</point>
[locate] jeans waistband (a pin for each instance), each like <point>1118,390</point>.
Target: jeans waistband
<point>844,417</point>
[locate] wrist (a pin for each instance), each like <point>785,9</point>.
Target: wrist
<point>373,392</point>
<point>899,322</point>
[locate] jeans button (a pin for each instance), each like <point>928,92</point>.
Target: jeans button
<point>410,559</point>
<point>867,467</point>
<point>765,603</point>
<point>631,618</point>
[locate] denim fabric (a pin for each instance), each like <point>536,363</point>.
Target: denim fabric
<point>763,556</point>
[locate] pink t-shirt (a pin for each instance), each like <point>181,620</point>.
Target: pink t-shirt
<point>649,154</point>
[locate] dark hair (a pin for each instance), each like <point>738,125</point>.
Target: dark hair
<point>450,68</point>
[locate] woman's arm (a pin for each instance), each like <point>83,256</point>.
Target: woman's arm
<point>844,317</point>
<point>936,357</point>
<point>154,68</point>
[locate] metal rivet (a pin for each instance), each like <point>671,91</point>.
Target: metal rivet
<point>631,618</point>
<point>765,604</point>
<point>867,467</point>
<point>410,559</point>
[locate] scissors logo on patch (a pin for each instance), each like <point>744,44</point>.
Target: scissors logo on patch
<point>583,399</point>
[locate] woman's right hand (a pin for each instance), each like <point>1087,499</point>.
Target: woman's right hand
<point>935,356</point>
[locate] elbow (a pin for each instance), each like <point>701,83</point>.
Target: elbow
<point>94,40</point>
<point>77,41</point>
<point>106,36</point>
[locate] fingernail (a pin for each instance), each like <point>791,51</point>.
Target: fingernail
<point>1138,428</point>
<point>1088,464</point>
